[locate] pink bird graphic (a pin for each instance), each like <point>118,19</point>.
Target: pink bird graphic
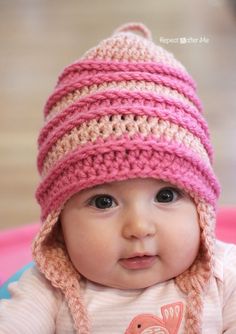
<point>172,315</point>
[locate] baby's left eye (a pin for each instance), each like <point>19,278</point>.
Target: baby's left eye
<point>167,195</point>
<point>102,202</point>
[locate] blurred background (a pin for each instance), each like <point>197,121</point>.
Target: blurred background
<point>39,38</point>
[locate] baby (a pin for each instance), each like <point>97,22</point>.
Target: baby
<point>128,198</point>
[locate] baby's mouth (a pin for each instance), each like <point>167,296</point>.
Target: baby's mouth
<point>138,262</point>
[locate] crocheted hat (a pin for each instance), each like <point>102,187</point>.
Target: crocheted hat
<point>126,109</point>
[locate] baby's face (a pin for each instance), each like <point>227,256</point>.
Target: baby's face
<point>131,234</point>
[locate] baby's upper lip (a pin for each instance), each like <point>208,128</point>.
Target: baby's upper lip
<point>139,254</point>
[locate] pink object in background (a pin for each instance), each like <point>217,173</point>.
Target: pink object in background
<point>15,244</point>
<point>226,224</point>
<point>15,249</point>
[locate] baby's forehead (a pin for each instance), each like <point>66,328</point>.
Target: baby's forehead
<point>134,182</point>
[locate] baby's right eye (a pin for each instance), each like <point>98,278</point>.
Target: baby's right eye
<point>102,202</point>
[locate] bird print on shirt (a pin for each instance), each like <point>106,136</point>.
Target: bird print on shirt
<point>172,315</point>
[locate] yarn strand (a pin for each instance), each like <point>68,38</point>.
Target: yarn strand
<point>135,27</point>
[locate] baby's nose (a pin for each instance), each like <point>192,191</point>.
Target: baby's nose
<point>138,224</point>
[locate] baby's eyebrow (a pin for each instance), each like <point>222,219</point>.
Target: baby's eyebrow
<point>101,187</point>
<point>104,185</point>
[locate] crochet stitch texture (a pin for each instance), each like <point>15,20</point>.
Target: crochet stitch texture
<point>126,109</point>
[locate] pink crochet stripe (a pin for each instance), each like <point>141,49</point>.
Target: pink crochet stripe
<point>94,66</point>
<point>48,145</point>
<point>88,81</point>
<point>101,146</point>
<point>131,86</point>
<point>114,97</point>
<point>162,133</point>
<point>104,162</point>
<point>76,120</point>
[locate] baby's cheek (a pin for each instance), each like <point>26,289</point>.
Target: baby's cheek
<point>95,248</point>
<point>189,250</point>
<point>180,244</point>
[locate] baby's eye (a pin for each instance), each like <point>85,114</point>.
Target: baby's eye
<point>102,202</point>
<point>167,195</point>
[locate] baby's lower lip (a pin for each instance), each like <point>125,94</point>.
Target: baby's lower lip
<point>138,262</point>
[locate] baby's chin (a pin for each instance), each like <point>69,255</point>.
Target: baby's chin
<point>130,285</point>
<point>131,279</point>
<point>133,286</point>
